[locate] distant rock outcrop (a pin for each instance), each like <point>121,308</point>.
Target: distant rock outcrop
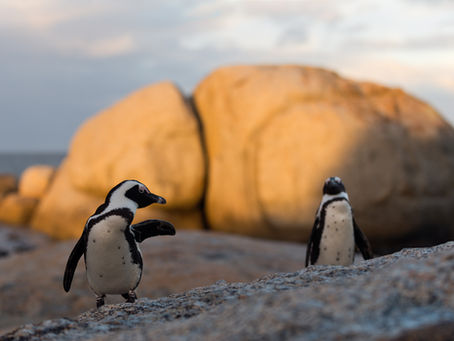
<point>35,181</point>
<point>404,296</point>
<point>152,136</point>
<point>18,202</point>
<point>8,183</point>
<point>16,209</point>
<point>274,133</point>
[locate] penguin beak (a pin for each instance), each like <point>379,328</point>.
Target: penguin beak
<point>333,187</point>
<point>157,199</point>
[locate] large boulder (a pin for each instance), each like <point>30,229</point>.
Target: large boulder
<point>32,292</point>
<point>151,136</point>
<point>35,181</point>
<point>274,133</point>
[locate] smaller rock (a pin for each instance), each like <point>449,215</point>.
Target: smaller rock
<point>16,209</point>
<point>35,181</point>
<point>8,183</point>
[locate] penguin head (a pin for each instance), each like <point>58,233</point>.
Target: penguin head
<point>135,191</point>
<point>333,186</point>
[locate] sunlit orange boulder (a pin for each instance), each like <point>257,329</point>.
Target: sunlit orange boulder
<point>274,133</point>
<point>152,136</point>
<point>35,181</point>
<point>16,209</point>
<point>8,183</point>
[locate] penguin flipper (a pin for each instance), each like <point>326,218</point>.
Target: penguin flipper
<point>313,247</point>
<point>362,242</point>
<point>73,259</point>
<point>152,228</point>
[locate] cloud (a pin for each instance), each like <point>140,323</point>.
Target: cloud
<point>236,31</point>
<point>100,48</point>
<point>65,60</point>
<point>43,15</point>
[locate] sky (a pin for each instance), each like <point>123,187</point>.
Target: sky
<point>62,61</point>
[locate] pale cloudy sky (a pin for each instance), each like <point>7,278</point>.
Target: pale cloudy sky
<point>62,61</point>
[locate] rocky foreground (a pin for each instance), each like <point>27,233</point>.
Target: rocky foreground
<point>408,295</point>
<point>31,282</point>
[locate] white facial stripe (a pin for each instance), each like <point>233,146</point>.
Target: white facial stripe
<point>119,199</point>
<point>336,179</point>
<point>328,197</point>
<point>120,194</point>
<point>143,188</point>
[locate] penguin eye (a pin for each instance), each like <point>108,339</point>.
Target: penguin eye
<point>141,190</point>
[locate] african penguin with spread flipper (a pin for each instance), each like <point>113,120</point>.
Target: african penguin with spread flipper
<point>335,232</point>
<point>109,242</point>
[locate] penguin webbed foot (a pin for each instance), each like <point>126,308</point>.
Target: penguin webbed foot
<point>130,297</point>
<point>100,301</point>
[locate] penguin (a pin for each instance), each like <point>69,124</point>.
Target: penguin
<point>335,232</point>
<point>109,243</point>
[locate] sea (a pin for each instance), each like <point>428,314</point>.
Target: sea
<point>16,162</point>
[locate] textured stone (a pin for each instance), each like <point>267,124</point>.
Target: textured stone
<point>16,209</point>
<point>404,296</point>
<point>151,136</point>
<point>35,181</point>
<point>274,133</point>
<point>171,265</point>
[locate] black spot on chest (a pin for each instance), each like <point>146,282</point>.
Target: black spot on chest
<point>315,247</point>
<point>128,216</point>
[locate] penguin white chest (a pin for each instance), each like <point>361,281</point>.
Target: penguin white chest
<point>110,267</point>
<point>337,245</point>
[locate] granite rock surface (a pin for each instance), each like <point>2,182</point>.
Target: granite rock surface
<point>408,295</point>
<point>31,283</point>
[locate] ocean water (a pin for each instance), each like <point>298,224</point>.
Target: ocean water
<point>16,163</point>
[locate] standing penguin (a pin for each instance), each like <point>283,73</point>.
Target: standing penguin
<point>335,232</point>
<point>109,242</point>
